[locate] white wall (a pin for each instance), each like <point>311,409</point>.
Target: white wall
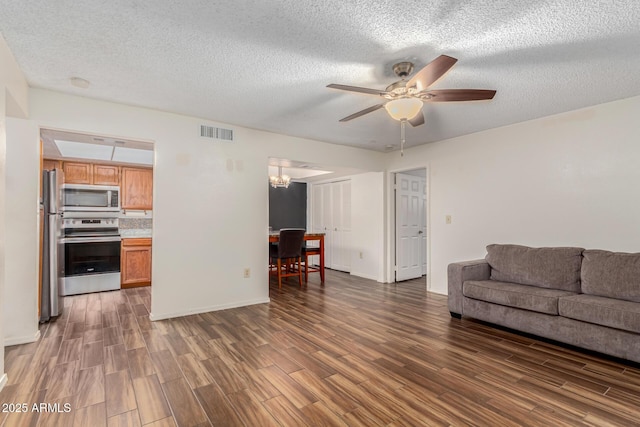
<point>210,197</point>
<point>3,151</point>
<point>13,83</point>
<point>569,179</point>
<point>21,233</point>
<point>13,102</point>
<point>367,225</point>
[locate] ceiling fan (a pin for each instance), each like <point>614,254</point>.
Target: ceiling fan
<point>405,98</point>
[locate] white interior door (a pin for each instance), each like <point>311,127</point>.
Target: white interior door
<point>317,217</point>
<point>327,223</point>
<point>409,226</point>
<point>341,231</point>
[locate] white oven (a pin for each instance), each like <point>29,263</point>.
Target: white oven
<point>90,198</point>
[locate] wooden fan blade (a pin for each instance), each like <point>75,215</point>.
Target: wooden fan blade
<point>362,113</point>
<point>432,72</point>
<point>417,120</point>
<point>449,95</point>
<point>357,89</point>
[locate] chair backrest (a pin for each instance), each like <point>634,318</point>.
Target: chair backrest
<point>290,242</point>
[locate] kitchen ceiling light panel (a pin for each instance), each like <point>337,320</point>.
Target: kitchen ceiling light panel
<point>79,150</point>
<point>133,155</point>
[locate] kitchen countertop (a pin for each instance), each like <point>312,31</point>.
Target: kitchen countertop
<point>135,232</point>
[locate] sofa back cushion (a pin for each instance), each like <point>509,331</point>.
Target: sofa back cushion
<point>611,274</point>
<point>553,268</point>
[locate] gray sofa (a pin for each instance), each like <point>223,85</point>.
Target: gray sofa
<point>586,298</point>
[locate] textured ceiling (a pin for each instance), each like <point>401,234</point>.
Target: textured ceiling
<point>265,65</point>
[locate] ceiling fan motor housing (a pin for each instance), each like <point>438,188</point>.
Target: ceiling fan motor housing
<point>403,69</point>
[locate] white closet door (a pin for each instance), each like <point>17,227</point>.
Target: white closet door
<point>341,198</point>
<point>336,222</point>
<point>327,215</point>
<point>317,214</point>
<point>318,219</point>
<point>332,216</point>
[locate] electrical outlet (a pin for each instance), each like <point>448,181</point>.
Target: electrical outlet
<point>247,273</point>
<point>447,219</point>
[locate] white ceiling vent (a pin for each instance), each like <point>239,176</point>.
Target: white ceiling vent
<point>217,133</point>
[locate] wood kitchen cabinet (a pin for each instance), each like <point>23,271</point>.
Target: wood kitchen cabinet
<point>136,187</point>
<point>106,175</point>
<point>135,262</point>
<point>49,165</point>
<point>78,173</point>
<point>90,173</point>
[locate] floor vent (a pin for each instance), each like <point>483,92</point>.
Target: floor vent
<point>217,133</point>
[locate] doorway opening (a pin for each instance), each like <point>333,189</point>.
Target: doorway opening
<point>410,200</point>
<point>96,230</point>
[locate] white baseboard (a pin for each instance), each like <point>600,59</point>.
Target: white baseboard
<point>3,381</point>
<point>367,276</point>
<point>153,317</point>
<point>22,340</point>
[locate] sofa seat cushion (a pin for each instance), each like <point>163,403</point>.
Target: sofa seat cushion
<point>552,268</point>
<point>525,297</point>
<point>611,274</point>
<point>615,313</point>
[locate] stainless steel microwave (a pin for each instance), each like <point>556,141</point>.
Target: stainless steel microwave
<point>90,198</point>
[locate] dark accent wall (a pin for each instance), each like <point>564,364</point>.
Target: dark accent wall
<point>288,206</point>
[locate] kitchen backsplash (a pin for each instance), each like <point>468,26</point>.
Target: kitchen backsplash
<point>134,223</point>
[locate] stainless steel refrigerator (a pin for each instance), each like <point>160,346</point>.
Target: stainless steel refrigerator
<point>52,248</point>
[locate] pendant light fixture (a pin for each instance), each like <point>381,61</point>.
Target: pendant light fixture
<point>280,180</point>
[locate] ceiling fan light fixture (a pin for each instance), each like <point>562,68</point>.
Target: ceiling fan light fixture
<point>403,108</point>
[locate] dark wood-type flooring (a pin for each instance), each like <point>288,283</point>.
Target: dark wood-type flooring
<point>353,352</point>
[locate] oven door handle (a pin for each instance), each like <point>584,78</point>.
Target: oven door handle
<point>91,239</point>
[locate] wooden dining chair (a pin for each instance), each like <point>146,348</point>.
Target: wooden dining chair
<point>288,252</point>
<point>309,251</point>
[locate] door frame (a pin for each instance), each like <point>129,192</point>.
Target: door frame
<point>391,222</point>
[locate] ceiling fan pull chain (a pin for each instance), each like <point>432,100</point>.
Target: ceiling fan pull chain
<point>403,122</point>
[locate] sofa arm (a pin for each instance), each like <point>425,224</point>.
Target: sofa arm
<point>458,273</point>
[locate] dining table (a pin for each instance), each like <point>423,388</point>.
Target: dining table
<point>274,236</point>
